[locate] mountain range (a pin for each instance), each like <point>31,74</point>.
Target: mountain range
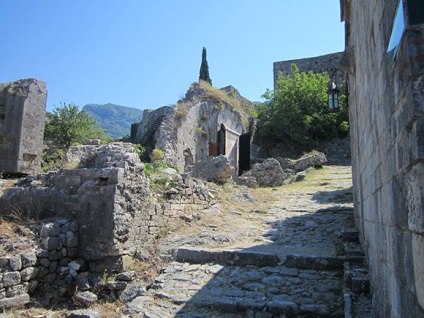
<point>115,120</point>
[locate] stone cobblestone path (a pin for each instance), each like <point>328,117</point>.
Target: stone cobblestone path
<point>291,265</point>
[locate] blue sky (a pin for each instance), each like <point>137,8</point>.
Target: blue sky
<point>146,53</point>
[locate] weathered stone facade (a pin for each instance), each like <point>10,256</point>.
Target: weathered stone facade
<point>189,131</point>
<point>22,115</point>
<point>325,63</point>
<point>387,129</point>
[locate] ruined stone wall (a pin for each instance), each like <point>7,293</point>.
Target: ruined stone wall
<point>148,120</point>
<point>48,267</point>
<point>191,125</point>
<point>22,116</point>
<point>387,129</point>
<point>108,198</point>
<point>319,64</point>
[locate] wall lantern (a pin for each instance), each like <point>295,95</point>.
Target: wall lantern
<point>333,95</point>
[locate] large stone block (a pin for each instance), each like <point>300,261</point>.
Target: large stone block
<point>16,301</point>
<point>22,118</point>
<point>11,279</point>
<point>216,169</point>
<point>28,259</point>
<point>28,273</point>
<point>15,263</point>
<point>52,243</point>
<point>268,174</point>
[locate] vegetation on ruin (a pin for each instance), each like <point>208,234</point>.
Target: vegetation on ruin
<point>181,110</point>
<point>201,132</point>
<point>157,154</point>
<point>155,169</point>
<point>229,99</point>
<point>297,110</point>
<point>67,126</point>
<point>141,152</point>
<point>160,181</point>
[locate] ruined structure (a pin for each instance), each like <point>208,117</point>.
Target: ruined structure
<point>207,122</point>
<point>22,115</point>
<point>319,64</point>
<point>385,60</point>
<point>108,197</point>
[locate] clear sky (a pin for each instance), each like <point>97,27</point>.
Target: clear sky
<point>146,53</point>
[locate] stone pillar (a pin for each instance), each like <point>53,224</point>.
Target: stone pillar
<point>22,118</point>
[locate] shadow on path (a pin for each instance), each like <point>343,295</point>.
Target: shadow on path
<point>335,196</point>
<point>298,274</point>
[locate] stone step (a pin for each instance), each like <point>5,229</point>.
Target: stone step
<point>151,131</point>
<point>321,262</point>
<point>281,308</point>
<point>274,290</point>
<point>230,257</point>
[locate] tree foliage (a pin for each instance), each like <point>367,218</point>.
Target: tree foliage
<point>67,126</point>
<point>297,110</point>
<point>204,69</point>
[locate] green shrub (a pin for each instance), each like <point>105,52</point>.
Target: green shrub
<point>156,154</point>
<point>297,110</point>
<point>68,126</point>
<point>141,152</point>
<point>51,158</point>
<point>148,169</point>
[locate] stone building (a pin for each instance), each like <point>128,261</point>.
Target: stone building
<point>319,64</point>
<point>22,116</point>
<point>385,60</point>
<point>207,122</point>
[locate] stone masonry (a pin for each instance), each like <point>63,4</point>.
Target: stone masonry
<point>319,64</point>
<point>48,265</point>
<point>109,198</point>
<point>386,104</point>
<point>22,114</point>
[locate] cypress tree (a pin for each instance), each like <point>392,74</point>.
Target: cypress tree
<point>204,69</point>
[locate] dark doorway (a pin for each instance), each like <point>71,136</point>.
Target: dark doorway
<point>244,153</point>
<point>221,140</point>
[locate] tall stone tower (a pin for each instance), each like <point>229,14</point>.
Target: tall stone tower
<point>22,117</point>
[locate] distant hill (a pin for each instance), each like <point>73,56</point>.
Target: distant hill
<point>115,120</point>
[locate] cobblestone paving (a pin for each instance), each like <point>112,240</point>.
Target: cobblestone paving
<point>306,222</point>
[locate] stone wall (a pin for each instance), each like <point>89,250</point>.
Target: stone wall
<point>337,151</point>
<point>319,64</point>
<point>109,200</point>
<point>50,268</point>
<point>22,116</point>
<point>387,129</point>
